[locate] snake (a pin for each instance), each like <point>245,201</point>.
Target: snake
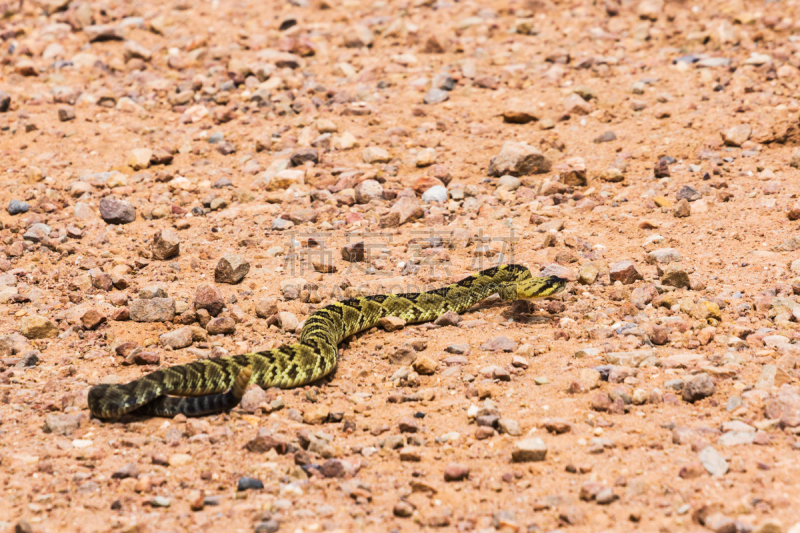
<point>210,386</point>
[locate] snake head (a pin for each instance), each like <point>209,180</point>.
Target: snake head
<point>544,287</point>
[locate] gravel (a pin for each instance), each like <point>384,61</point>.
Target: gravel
<point>203,196</point>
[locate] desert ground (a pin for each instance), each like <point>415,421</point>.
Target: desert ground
<point>193,179</point>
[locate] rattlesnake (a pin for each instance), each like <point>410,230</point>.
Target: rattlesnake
<point>198,388</point>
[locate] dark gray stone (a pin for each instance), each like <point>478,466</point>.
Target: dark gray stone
<point>17,207</point>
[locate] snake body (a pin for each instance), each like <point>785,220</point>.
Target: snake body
<point>215,385</point>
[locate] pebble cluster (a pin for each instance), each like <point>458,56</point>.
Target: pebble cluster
<point>192,180</point>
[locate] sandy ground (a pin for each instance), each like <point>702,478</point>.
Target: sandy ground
<point>650,160</point>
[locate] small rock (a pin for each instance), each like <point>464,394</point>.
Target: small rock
<point>59,424</point>
<point>249,483</point>
<point>661,169</point>
<point>605,137</point>
<point>166,245</point>
<point>368,190</point>
<point>37,327</point>
<point>374,154</point>
<point>509,427</point>
<point>265,443</point>
<point>410,454</point>
<point>426,157</point>
<point>518,159</point>
<point>698,387</point>
<point>403,509</point>
<point>152,310</point>
<point>425,366</point>
<point>528,450</point>
<point>625,272</point>
<point>92,319</point>
<point>737,135</point>
<point>601,402</point>
<point>221,325</point>
<point>129,470</point>
<point>437,193</point>
<point>66,114</point>
<point>588,273</point>
<point>209,297</point>
<point>114,211</point>
<point>354,253</point>
<point>456,472</point>
<point>391,323</point>
<point>139,158</point>
<point>266,307</point>
<point>436,96</point>
<point>288,321</point>
<point>674,276</point>
<point>448,319</point>
<point>713,462</point>
<point>231,269</point>
<point>177,339</point>
<point>688,193</point>
<point>499,344</point>
<point>573,172</point>
<point>520,111</point>
<point>332,468</point>
<point>17,207</point>
<point>317,414</point>
<point>682,209</point>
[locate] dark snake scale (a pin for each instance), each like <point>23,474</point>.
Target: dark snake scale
<point>215,385</point>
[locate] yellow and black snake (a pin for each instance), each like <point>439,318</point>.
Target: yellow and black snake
<point>198,388</point>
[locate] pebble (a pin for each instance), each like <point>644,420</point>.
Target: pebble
<point>664,256</point>
<point>713,462</point>
<point>62,424</point>
<point>166,245</point>
<point>605,137</point>
<point>231,269</point>
<point>177,339</point>
<point>92,319</point>
<point>391,323</point>
<point>698,387</point>
<point>221,325</point>
<point>625,272</point>
<point>209,297</point>
<point>425,158</point>
<point>456,472</point>
<point>425,366</point>
<point>518,159</point>
<point>374,154</point>
<point>354,253</point>
<point>528,450</point>
<point>448,319</point>
<point>436,96</point>
<point>65,114</point>
<point>520,111</point>
<point>114,211</point>
<point>17,207</point>
<point>403,509</point>
<point>152,310</point>
<point>437,193</point>
<point>368,190</point>
<point>288,321</point>
<point>674,276</point>
<point>37,327</point>
<point>248,483</point>
<point>37,232</point>
<point>499,344</point>
<point>737,135</point>
<point>509,427</point>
